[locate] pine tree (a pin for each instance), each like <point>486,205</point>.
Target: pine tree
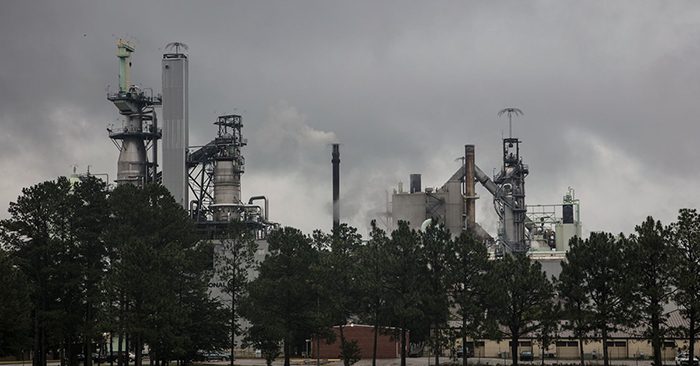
<point>337,274</point>
<point>574,298</point>
<point>468,286</point>
<point>281,303</point>
<point>436,260</point>
<point>600,267</point>
<point>373,283</point>
<point>685,239</point>
<point>36,234</point>
<point>650,253</point>
<point>235,259</point>
<point>521,292</point>
<point>404,281</point>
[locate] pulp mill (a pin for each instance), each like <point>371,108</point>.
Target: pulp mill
<point>541,230</point>
<point>205,180</point>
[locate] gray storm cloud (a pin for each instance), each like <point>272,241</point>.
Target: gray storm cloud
<point>609,92</point>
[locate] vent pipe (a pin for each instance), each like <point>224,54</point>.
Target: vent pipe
<point>336,185</point>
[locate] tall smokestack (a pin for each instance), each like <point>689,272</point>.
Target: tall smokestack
<point>175,76</point>
<point>336,185</point>
<point>469,185</point>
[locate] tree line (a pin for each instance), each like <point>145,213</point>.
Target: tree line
<point>423,282</point>
<point>81,264</point>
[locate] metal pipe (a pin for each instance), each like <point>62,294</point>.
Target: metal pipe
<point>469,187</point>
<point>267,212</point>
<point>336,185</point>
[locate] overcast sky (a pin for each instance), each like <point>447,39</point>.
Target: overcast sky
<point>609,90</point>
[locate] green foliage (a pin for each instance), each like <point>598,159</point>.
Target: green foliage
<point>521,292</point>
<point>336,279</point>
<point>404,281</point>
<point>575,300</point>
<point>598,265</point>
<point>281,302</point>
<point>14,313</point>
<point>436,259</point>
<point>685,239</point>
<point>350,352</point>
<point>54,234</point>
<point>373,282</point>
<point>548,329</point>
<point>266,340</point>
<point>468,286</point>
<point>234,260</point>
<point>650,256</point>
<point>152,238</point>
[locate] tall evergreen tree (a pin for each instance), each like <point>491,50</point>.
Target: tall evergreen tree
<point>468,286</point>
<point>521,292</point>
<point>650,255</point>
<point>158,271</point>
<point>404,281</point>
<point>436,259</point>
<point>235,259</point>
<point>575,302</point>
<point>548,328</point>
<point>37,234</point>
<point>281,302</point>
<point>90,213</point>
<point>602,267</point>
<point>337,275</point>
<point>373,283</point>
<point>15,322</point>
<point>685,239</point>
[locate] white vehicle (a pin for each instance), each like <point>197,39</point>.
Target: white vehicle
<point>682,360</point>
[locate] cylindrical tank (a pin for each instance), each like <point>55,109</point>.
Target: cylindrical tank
<point>415,183</point>
<point>227,188</point>
<point>131,166</point>
<point>568,214</point>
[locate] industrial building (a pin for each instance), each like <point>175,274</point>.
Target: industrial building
<point>210,174</point>
<point>542,230</point>
<point>206,179</point>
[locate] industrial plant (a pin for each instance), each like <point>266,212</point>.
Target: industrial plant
<point>206,179</point>
<point>209,174</point>
<point>542,230</point>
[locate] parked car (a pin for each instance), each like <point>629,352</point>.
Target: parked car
<point>526,356</point>
<point>216,356</point>
<point>682,359</point>
<point>470,352</point>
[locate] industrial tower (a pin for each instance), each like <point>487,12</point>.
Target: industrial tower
<point>175,120</point>
<point>139,131</point>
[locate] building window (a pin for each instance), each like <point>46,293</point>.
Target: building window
<point>617,344</point>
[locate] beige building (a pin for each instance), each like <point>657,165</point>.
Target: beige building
<point>621,345</point>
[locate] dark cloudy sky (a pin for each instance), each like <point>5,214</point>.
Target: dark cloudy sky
<point>609,89</point>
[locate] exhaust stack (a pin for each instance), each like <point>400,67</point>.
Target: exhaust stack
<point>336,185</point>
<point>469,185</point>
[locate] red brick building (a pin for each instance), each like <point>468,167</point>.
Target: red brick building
<point>387,346</point>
